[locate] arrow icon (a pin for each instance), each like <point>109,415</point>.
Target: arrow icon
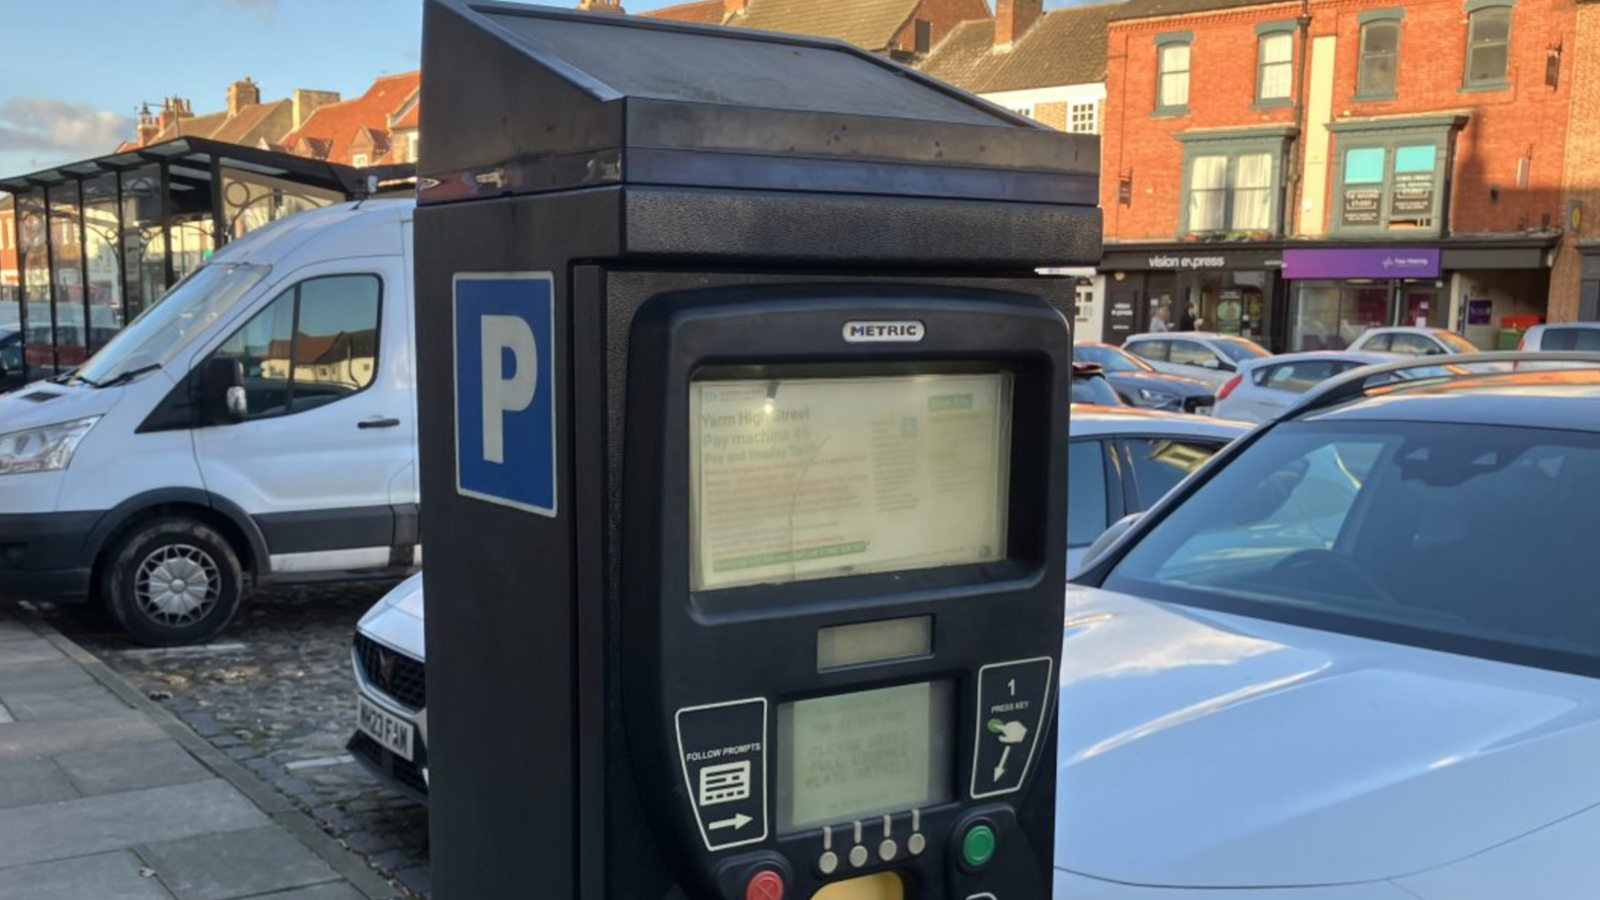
<point>1000,770</point>
<point>737,822</point>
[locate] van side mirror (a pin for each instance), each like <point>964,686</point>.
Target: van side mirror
<point>222,396</point>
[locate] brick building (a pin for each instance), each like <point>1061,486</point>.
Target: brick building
<point>1575,281</point>
<point>245,120</point>
<point>1407,169</point>
<point>901,29</point>
<point>377,128</point>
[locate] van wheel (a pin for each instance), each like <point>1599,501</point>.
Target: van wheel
<point>173,581</point>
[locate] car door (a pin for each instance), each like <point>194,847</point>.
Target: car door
<point>1094,496</point>
<point>330,427</point>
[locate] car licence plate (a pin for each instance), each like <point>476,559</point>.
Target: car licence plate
<point>390,731</point>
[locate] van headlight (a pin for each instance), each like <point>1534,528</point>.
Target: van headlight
<point>44,449</point>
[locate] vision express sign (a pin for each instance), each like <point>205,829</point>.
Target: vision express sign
<point>1189,260</point>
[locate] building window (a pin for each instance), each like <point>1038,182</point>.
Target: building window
<point>924,35</point>
<point>1231,192</point>
<point>1083,118</point>
<point>1488,44</point>
<point>1392,176</point>
<point>1026,111</point>
<point>360,159</point>
<point>1172,80</point>
<point>412,147</point>
<point>1380,58</point>
<point>1274,67</point>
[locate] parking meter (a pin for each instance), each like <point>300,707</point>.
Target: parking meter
<point>743,461</point>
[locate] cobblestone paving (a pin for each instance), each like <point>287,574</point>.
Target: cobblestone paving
<point>275,692</point>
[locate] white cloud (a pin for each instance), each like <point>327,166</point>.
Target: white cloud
<point>35,123</point>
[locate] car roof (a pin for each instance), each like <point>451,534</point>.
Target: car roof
<point>1096,421</point>
<point>1405,329</point>
<point>1366,357</point>
<point>1559,398</point>
<point>1586,326</point>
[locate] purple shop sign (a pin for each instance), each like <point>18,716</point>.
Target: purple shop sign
<point>1362,262</point>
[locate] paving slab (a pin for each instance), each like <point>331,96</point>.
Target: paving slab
<point>131,768</point>
<point>86,701</point>
<point>50,738</point>
<point>104,876</point>
<point>14,630</point>
<point>21,651</point>
<point>32,781</point>
<point>236,864</point>
<point>320,892</point>
<point>115,821</point>
<point>47,675</point>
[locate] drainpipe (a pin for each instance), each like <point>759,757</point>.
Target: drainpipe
<point>1301,110</point>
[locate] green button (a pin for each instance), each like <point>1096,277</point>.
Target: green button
<point>977,848</point>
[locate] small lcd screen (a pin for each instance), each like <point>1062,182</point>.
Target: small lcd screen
<point>855,756</point>
<point>874,642</point>
<point>794,479</point>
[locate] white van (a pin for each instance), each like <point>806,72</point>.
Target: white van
<point>257,424</point>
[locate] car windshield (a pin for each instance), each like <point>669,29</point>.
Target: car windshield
<point>1465,538</point>
<point>1456,342</point>
<point>1094,389</point>
<point>173,322</point>
<point>1239,349</point>
<point>1109,358</point>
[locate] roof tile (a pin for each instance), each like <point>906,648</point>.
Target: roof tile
<point>869,24</point>
<point>333,128</point>
<point>701,12</point>
<point>1066,46</point>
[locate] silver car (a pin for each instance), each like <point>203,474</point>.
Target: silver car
<point>391,737</point>
<point>1408,340</point>
<point>1212,358</point>
<point>1264,388</point>
<point>1122,460</point>
<point>1565,336</point>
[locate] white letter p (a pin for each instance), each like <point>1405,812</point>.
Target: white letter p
<point>503,395</point>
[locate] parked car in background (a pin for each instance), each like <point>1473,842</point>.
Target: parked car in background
<point>1264,388</point>
<point>1566,336</point>
<point>1139,384</point>
<point>391,736</point>
<point>1123,460</point>
<point>1411,341</point>
<point>11,372</point>
<point>1369,625</point>
<point>1089,385</point>
<point>1212,358</point>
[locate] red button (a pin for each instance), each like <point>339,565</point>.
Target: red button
<point>764,885</point>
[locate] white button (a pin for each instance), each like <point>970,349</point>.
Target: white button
<point>916,844</point>
<point>828,863</point>
<point>858,856</point>
<point>887,850</point>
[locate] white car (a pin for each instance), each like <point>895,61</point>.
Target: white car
<point>391,737</point>
<point>1122,460</point>
<point>1411,341</point>
<point>1264,388</point>
<point>1212,358</point>
<point>1565,336</point>
<point>1356,658</point>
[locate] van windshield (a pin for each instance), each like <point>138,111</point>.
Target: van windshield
<point>173,322</point>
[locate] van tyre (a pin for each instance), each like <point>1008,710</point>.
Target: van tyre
<point>173,581</point>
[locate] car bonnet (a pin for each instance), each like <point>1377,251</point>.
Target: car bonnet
<point>1205,750</point>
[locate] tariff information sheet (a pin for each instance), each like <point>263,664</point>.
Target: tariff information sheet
<point>814,478</point>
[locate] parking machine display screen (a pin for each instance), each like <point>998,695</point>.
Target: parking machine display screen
<point>794,479</point>
<point>854,756</point>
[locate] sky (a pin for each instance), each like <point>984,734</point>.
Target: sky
<point>74,73</point>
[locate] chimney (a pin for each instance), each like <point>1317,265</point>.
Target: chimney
<point>148,129</point>
<point>241,94</point>
<point>1013,18</point>
<point>731,8</point>
<point>604,6</point>
<point>306,102</point>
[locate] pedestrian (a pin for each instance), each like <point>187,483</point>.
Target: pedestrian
<point>1158,321</point>
<point>1186,321</point>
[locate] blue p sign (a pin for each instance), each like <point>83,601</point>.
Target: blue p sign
<point>505,389</point>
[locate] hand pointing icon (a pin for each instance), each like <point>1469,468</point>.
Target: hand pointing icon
<point>1009,732</point>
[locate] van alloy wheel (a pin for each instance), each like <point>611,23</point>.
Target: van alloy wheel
<point>177,584</point>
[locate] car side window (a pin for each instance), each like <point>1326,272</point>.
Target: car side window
<point>1414,345</point>
<point>1151,350</point>
<point>11,355</point>
<point>1087,507</point>
<point>1160,463</point>
<point>1190,353</point>
<point>315,343</point>
<point>1297,378</point>
<point>1379,343</point>
<point>1570,339</point>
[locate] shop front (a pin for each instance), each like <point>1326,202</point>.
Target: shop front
<point>1190,287</point>
<point>1485,290</point>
